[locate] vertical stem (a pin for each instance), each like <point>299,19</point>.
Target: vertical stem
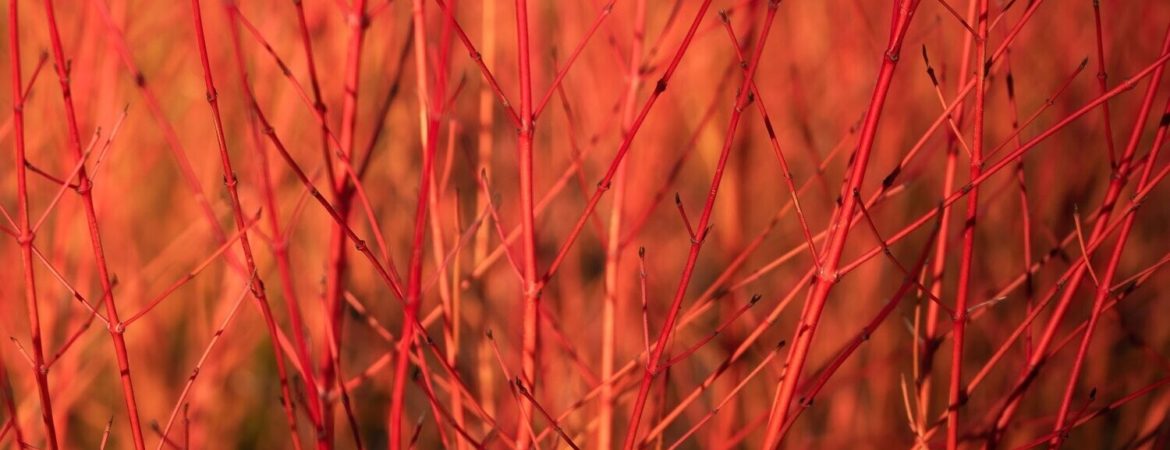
<point>118,41</point>
<point>653,365</point>
<point>956,396</point>
<point>627,141</point>
<point>432,109</point>
<point>418,16</point>
<point>484,160</point>
<point>828,276</point>
<point>486,124</point>
<point>26,238</point>
<point>1112,195</point>
<point>413,290</point>
<point>318,400</point>
<point>1103,83</point>
<point>281,255</point>
<point>531,288</point>
<point>455,335</point>
<point>314,79</point>
<point>231,182</point>
<point>614,238</point>
<point>1102,293</point>
<point>85,188</point>
<point>343,192</point>
<point>437,189</point>
<point>932,341</point>
<point>1025,210</point>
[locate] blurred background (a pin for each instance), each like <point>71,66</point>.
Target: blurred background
<point>165,216</point>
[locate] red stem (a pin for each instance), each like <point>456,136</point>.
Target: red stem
<point>1103,84</point>
<point>1116,185</point>
<point>85,189</point>
<point>839,229</point>
<point>786,171</point>
<point>118,42</point>
<point>1025,214</point>
<point>560,76</point>
<point>909,283</point>
<point>627,141</point>
<point>25,238</point>
<point>531,297</point>
<point>613,248</point>
<point>230,180</point>
<point>317,415</point>
<point>343,194</point>
<point>956,397</point>
<point>433,112</point>
<point>1103,290</point>
<point>741,102</point>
